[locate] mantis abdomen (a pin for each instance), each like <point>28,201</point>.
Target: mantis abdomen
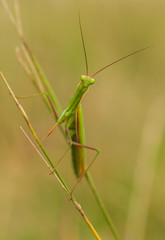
<point>78,135</point>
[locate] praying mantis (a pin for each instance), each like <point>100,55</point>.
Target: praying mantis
<point>72,117</point>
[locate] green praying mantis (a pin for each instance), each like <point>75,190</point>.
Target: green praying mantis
<point>72,117</point>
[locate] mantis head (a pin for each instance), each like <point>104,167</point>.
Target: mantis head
<point>87,80</point>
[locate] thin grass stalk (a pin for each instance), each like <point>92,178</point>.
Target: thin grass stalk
<point>39,75</point>
<point>50,165</point>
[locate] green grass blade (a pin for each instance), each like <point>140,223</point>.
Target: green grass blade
<point>102,207</point>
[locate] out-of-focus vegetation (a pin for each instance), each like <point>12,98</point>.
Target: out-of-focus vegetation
<point>123,112</point>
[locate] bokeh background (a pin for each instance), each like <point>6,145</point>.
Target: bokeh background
<point>123,112</point>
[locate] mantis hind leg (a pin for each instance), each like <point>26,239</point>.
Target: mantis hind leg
<point>83,146</point>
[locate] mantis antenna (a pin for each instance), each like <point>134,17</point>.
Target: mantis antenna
<point>83,45</point>
<point>120,59</point>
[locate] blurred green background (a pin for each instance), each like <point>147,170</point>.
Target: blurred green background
<point>123,112</point>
